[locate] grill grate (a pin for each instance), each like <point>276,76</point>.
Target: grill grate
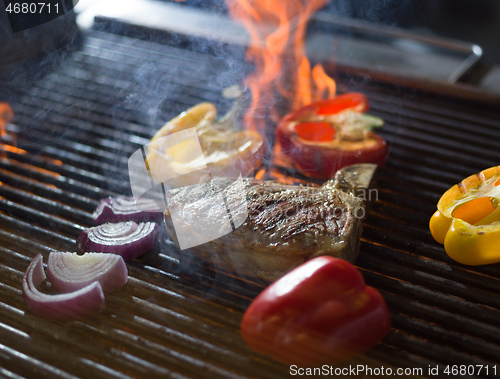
<point>178,318</point>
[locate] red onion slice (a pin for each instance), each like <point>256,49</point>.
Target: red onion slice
<point>69,272</point>
<point>85,302</point>
<point>121,208</point>
<point>127,239</point>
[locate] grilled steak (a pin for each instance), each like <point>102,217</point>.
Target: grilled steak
<point>276,227</point>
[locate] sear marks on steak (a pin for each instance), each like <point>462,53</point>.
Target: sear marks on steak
<point>276,227</point>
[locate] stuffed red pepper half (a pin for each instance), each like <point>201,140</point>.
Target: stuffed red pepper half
<point>329,134</point>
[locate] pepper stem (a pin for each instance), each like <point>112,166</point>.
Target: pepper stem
<point>229,120</point>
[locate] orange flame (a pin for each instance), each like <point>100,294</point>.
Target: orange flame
<point>6,115</point>
<point>326,86</point>
<point>12,149</point>
<point>277,31</point>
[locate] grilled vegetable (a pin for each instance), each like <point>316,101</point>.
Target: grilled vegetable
<point>69,272</point>
<point>87,301</point>
<point>121,208</point>
<point>221,145</point>
<point>327,135</point>
<point>467,221</point>
<point>127,239</point>
<point>320,313</point>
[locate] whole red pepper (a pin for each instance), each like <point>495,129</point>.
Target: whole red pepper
<point>327,135</point>
<point>320,313</point>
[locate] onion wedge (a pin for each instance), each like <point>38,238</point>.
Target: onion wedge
<point>121,208</point>
<point>85,302</point>
<point>69,272</point>
<point>127,239</point>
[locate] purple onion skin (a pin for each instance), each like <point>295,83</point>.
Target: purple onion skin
<point>86,302</point>
<point>105,212</point>
<point>128,249</point>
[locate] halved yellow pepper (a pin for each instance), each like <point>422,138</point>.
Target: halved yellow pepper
<point>220,143</point>
<point>467,221</point>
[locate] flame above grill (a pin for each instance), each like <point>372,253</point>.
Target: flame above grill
<point>277,31</point>
<point>6,115</point>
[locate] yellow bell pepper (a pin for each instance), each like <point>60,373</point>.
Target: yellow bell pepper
<point>467,221</point>
<point>220,143</point>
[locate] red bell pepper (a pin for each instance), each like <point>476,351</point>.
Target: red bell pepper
<point>327,135</point>
<point>320,313</point>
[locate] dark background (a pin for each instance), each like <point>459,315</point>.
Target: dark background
<point>476,21</point>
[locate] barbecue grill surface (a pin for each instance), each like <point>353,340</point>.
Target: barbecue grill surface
<point>75,130</point>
